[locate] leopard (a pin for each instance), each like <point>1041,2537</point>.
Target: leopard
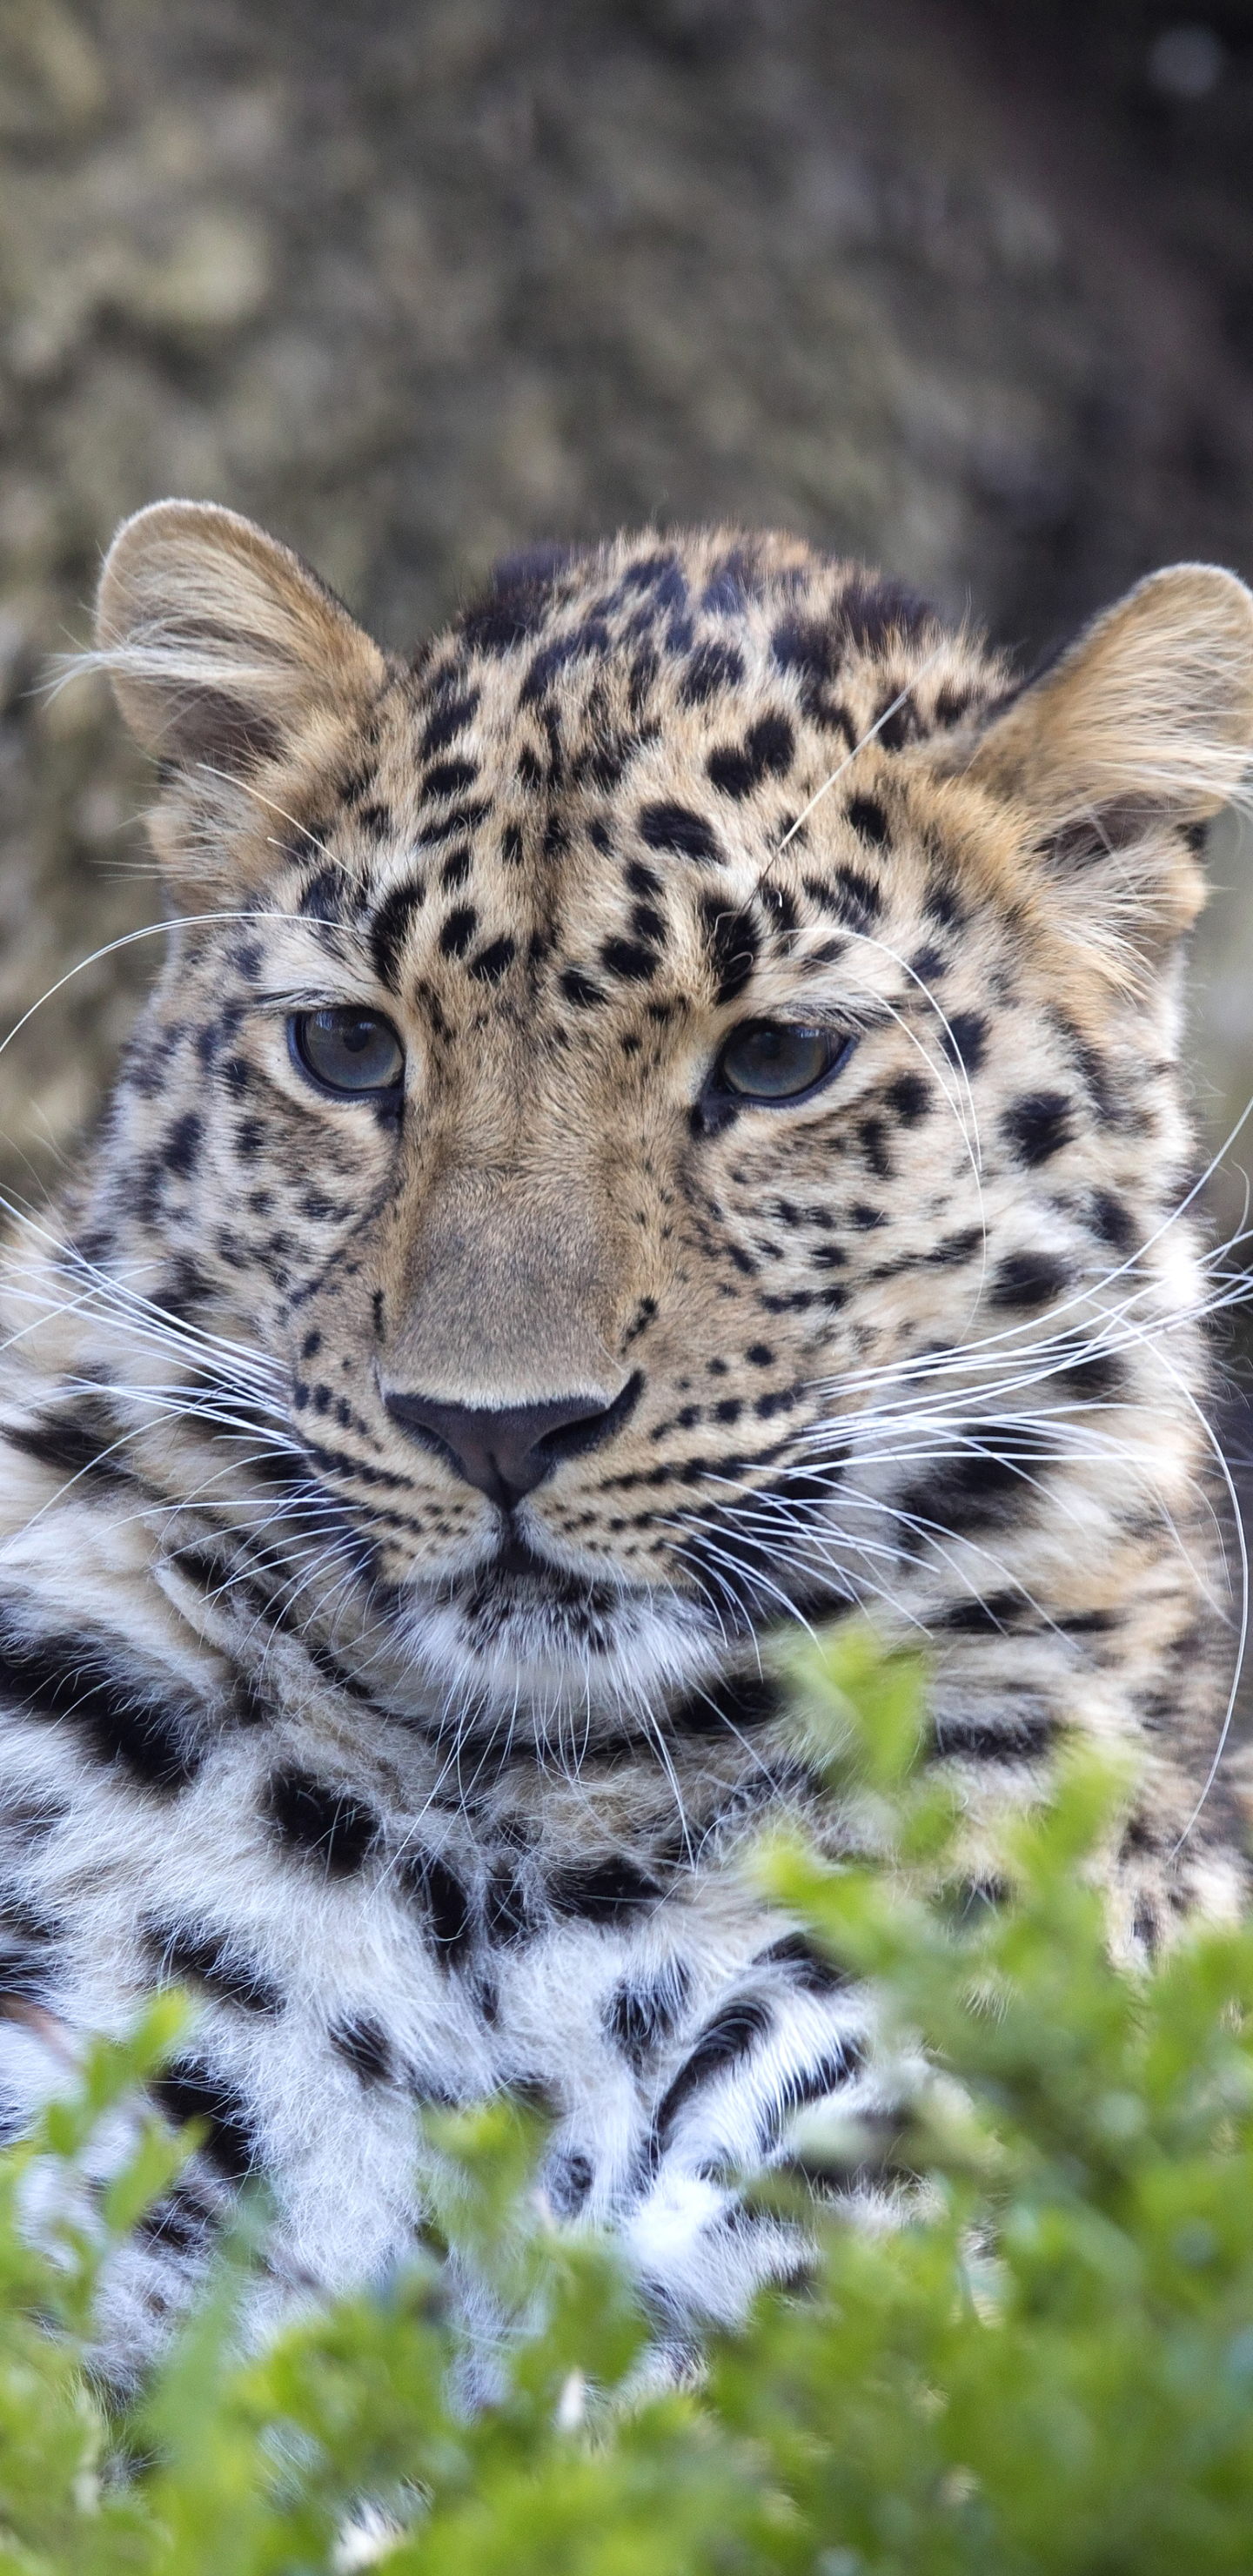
<point>660,1130</point>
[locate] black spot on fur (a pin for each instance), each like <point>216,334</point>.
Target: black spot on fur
<point>1038,1124</point>
<point>966,1039</point>
<point>815,653</point>
<point>492,962</point>
<point>732,584</point>
<point>641,2014</point>
<point>648,924</point>
<point>117,1717</point>
<point>943,904</point>
<point>729,2037</point>
<point>868,820</point>
<point>1114,1222</point>
<point>181,1150</point>
<point>77,1442</point>
<point>323,898</point>
<point>767,751</point>
<point>188,2091</point>
<point>444,1900</point>
<point>602,763</point>
<point>627,958</point>
<point>910,1096</point>
<point>551,660</point>
<point>713,667</point>
<point>27,1948</point>
<point>854,898</point>
<point>860,897</point>
<point>447,721</point>
<point>519,604</point>
<point>731,941</point>
<point>390,928</point>
<point>1027,1279</point>
<point>313,1816</point>
<point>1098,1379</point>
<point>964,1494</point>
<point>953,1249</point>
<point>870,611</point>
<point>678,829</point>
<point>191,1954</point>
<point>459,820</point>
<point>449,778</point>
<point>872,1138</point>
<point>734,1705</point>
<point>363,2044</point>
<point>952,704</point>
<point>458,931</point>
<point>181,2220</point>
<point>600,1891</point>
<point>579,988</point>
<point>660,578</point>
<point>808,647</point>
<point>897,724</point>
<point>992,1617</point>
<point>814,1974</point>
<point>827,2073</point>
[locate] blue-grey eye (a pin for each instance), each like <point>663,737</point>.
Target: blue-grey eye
<point>349,1051</point>
<point>775,1060</point>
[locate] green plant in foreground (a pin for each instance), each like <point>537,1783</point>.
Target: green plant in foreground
<point>1047,2366</point>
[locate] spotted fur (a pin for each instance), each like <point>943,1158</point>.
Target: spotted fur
<point>427,1786</point>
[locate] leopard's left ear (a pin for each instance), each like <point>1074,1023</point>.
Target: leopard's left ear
<point>238,670</point>
<point>224,649</point>
<point>1141,730</point>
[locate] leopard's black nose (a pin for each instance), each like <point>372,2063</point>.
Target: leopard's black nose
<point>506,1450</point>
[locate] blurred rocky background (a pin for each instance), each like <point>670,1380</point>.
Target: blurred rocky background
<point>965,288</point>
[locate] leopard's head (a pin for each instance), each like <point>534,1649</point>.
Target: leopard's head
<point>641,1081</point>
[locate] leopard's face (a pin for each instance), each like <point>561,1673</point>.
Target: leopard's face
<point>648,1055</point>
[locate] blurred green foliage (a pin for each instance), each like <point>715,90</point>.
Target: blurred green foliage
<point>1048,2365</point>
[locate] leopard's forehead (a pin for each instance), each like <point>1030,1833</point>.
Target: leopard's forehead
<point>572,781</point>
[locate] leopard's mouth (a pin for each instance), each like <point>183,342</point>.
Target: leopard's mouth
<point>520,1591</point>
<point>519,1636</point>
<point>521,1594</point>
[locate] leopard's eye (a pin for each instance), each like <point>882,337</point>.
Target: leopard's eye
<point>774,1060</point>
<point>348,1051</point>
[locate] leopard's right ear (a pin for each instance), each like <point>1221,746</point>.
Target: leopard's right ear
<point>1110,765</point>
<point>226,653</point>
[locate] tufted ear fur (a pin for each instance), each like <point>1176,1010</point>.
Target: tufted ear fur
<point>1115,758</point>
<point>224,650</point>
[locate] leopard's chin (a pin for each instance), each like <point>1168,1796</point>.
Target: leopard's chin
<point>520,1633</point>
